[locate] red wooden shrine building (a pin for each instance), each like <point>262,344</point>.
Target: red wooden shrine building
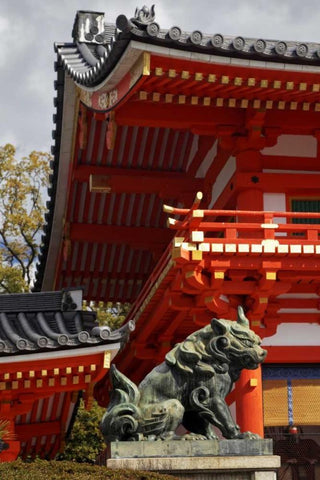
<point>145,119</point>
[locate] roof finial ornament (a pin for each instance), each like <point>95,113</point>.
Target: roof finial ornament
<point>143,16</point>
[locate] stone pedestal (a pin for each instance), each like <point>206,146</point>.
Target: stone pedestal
<point>201,460</point>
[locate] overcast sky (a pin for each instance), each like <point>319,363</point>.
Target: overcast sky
<point>28,29</point>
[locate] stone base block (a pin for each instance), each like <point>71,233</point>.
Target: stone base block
<point>190,448</point>
<point>198,460</point>
<point>205,468</point>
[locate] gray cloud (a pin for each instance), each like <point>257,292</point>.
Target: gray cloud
<point>28,29</point>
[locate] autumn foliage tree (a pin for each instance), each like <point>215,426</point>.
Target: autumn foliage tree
<point>22,208</point>
<point>111,314</point>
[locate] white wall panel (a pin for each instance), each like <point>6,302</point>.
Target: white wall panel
<point>294,334</point>
<point>275,202</point>
<point>222,180</point>
<point>207,161</point>
<point>293,146</point>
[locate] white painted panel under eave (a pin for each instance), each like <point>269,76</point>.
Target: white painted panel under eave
<point>275,202</point>
<point>293,146</point>
<point>222,179</point>
<point>294,334</point>
<point>193,150</point>
<point>207,161</point>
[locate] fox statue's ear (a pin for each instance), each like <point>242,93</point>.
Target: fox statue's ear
<point>218,326</point>
<point>242,319</point>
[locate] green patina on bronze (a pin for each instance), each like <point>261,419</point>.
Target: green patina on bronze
<point>188,388</point>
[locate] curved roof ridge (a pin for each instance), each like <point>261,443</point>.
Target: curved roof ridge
<point>98,45</point>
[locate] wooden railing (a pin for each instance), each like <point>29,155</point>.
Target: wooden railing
<point>240,225</point>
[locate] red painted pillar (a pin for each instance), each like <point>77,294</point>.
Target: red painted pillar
<point>249,401</point>
<point>250,199</point>
<point>248,390</point>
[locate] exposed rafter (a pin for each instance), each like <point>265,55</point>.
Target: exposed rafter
<point>139,237</point>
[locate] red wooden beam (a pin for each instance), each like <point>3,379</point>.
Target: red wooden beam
<point>271,182</point>
<point>299,122</point>
<point>313,303</point>
<point>29,430</point>
<point>297,317</point>
<point>289,163</point>
<point>193,117</point>
<point>306,354</point>
<point>138,237</point>
<point>116,180</point>
<point>178,116</point>
<point>213,213</point>
<point>292,264</point>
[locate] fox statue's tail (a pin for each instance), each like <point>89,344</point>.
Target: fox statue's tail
<point>121,420</point>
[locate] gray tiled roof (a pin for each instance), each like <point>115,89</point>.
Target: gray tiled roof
<point>52,328</point>
<point>70,299</point>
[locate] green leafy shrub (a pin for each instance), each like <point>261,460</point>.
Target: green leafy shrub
<point>44,470</point>
<point>86,440</point>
